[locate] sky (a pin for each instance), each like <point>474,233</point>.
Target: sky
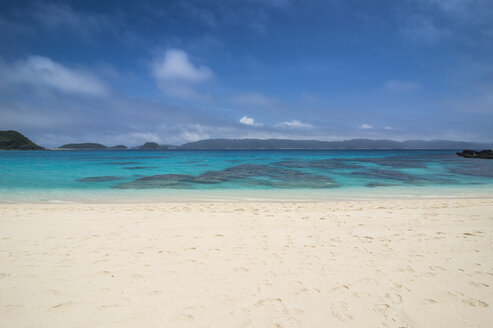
<point>129,72</point>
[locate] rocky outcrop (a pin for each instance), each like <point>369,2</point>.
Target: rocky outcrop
<point>488,154</point>
<point>13,140</point>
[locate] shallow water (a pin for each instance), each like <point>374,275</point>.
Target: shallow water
<point>42,176</point>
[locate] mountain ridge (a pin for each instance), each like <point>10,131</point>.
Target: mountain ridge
<point>13,140</point>
<point>318,144</point>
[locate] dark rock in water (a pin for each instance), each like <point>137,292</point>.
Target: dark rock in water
<point>377,184</point>
<point>395,162</point>
<point>84,146</point>
<point>13,140</point>
<point>474,168</point>
<point>487,154</point>
<point>395,175</point>
<point>334,163</point>
<point>121,163</point>
<point>118,147</point>
<point>151,146</point>
<point>99,179</point>
<point>139,167</point>
<point>135,157</point>
<point>387,174</point>
<point>248,174</point>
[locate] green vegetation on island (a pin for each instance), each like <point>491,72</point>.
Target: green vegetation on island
<point>118,147</point>
<point>13,140</point>
<point>151,146</point>
<point>84,146</point>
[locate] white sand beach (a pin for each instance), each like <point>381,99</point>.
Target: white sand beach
<point>378,263</point>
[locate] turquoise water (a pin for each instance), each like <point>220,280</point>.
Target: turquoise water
<point>50,176</point>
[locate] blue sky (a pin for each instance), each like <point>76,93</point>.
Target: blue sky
<point>176,71</point>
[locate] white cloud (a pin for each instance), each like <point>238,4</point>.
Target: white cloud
<point>249,121</point>
<point>295,124</point>
<point>400,86</point>
<point>144,137</point>
<point>176,75</point>
<point>366,126</point>
<point>190,136</point>
<point>176,66</point>
<point>178,134</point>
<point>388,128</point>
<point>42,72</point>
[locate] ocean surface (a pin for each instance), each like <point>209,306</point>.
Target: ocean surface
<point>175,175</point>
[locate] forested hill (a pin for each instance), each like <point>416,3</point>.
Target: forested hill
<point>13,140</point>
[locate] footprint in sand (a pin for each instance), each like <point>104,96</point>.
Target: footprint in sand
<point>240,269</point>
<point>394,298</point>
<point>370,282</point>
<point>186,315</point>
<point>308,291</point>
<point>478,284</point>
<point>340,311</point>
<point>104,273</point>
<point>61,305</point>
<point>269,300</point>
<point>156,293</point>
<point>475,302</point>
<point>273,302</point>
<point>437,268</point>
<point>430,301</point>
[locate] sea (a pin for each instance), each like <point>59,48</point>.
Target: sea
<point>238,175</point>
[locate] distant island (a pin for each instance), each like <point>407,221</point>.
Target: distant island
<point>118,147</point>
<point>151,146</point>
<point>84,146</point>
<point>97,146</point>
<point>13,140</point>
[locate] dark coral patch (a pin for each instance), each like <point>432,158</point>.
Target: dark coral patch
<point>121,163</point>
<point>248,174</point>
<point>319,164</point>
<point>395,162</point>
<point>99,179</point>
<point>395,175</point>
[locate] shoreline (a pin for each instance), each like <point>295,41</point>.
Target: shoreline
<point>148,196</point>
<point>248,200</point>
